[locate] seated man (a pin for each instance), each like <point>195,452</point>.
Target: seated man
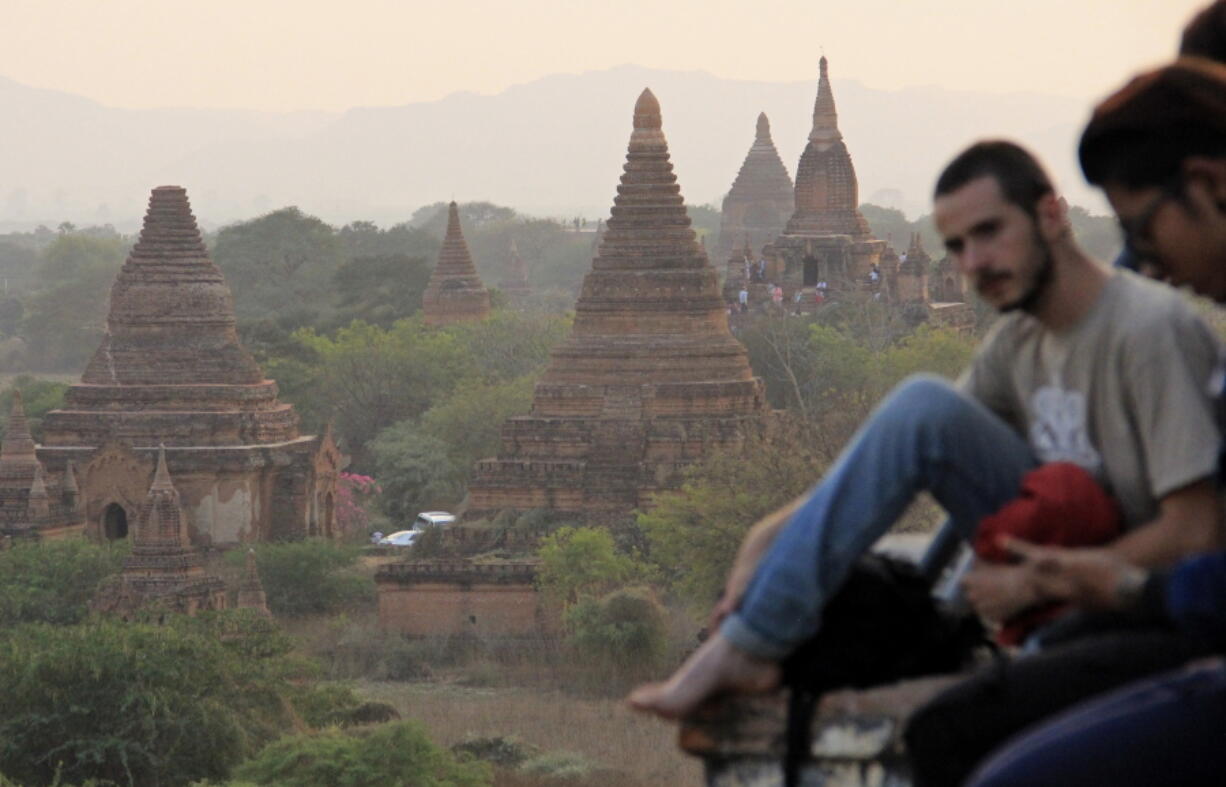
<point>1158,148</point>
<point>1089,366</point>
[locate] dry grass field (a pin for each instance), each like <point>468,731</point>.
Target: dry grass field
<point>631,750</point>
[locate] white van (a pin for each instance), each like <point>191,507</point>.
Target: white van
<point>432,519</point>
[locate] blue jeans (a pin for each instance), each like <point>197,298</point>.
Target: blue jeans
<point>924,436</point>
<point>1168,730</point>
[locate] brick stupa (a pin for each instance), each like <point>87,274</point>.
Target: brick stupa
<point>163,568</point>
<point>827,238</point>
<point>455,292</point>
<point>31,504</point>
<point>251,593</point>
<point>171,371</point>
<point>761,199</point>
<point>515,283</point>
<point>650,378</point>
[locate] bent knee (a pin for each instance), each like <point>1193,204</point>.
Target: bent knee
<point>928,397</point>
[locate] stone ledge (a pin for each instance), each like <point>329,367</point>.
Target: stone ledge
<point>855,741</point>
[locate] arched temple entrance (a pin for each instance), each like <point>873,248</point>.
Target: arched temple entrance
<point>114,522</point>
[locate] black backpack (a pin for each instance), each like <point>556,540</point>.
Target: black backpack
<point>882,625</point>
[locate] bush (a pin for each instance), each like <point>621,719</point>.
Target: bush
<point>505,750</point>
<point>624,632</point>
<point>141,704</point>
<point>560,765</point>
<point>583,562</point>
<point>309,577</point>
<point>393,755</point>
<point>53,581</point>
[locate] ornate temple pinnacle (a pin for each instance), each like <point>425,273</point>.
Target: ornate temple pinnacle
<point>455,292</point>
<point>161,478</point>
<point>647,111</point>
<point>763,132</point>
<point>825,116</point>
<point>18,445</point>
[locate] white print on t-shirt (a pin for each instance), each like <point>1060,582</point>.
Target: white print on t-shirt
<point>1058,428</point>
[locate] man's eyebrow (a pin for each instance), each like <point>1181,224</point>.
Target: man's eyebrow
<point>985,227</point>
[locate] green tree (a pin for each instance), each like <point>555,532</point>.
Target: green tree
<point>470,421</point>
<point>391,755</point>
<point>53,581</point>
<point>64,318</point>
<point>281,265</point>
<point>135,703</point>
<point>38,397</point>
<point>415,471</point>
<point>694,532</point>
<point>308,577</point>
<point>625,632</point>
<point>578,563</point>
<point>380,289</point>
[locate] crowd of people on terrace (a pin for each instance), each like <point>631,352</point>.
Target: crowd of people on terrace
<point>1080,456</point>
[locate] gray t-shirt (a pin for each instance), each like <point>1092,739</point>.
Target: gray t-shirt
<point>1124,393</point>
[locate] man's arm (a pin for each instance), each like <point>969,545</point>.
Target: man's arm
<point>1188,523</point>
<point>753,547</point>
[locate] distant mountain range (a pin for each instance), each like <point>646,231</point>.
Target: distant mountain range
<point>551,147</point>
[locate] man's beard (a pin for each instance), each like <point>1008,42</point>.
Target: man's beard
<point>1029,299</point>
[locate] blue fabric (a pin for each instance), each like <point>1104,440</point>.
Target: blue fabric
<point>1196,597</point>
<point>1165,730</point>
<point>925,436</point>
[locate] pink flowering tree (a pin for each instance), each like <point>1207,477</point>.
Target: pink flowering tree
<point>355,493</point>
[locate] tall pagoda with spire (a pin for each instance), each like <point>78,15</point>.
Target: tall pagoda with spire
<point>761,200</point>
<point>650,378</point>
<point>455,292</point>
<point>163,569</point>
<point>827,238</point>
<point>171,370</point>
<point>31,504</point>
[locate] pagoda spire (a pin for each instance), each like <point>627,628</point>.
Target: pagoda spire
<point>17,446</point>
<point>39,504</point>
<point>825,116</point>
<point>455,292</point>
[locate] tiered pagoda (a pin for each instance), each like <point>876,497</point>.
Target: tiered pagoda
<point>455,292</point>
<point>515,284</point>
<point>171,371</point>
<point>163,569</point>
<point>650,379</point>
<point>827,238</point>
<point>761,199</point>
<point>31,504</point>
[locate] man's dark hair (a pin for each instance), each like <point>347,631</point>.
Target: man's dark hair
<point>1021,178</point>
<point>1139,136</point>
<point>1205,35</point>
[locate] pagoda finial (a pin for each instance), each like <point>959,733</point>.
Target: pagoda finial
<point>825,116</point>
<point>161,478</point>
<point>18,445</point>
<point>763,132</point>
<point>647,111</point>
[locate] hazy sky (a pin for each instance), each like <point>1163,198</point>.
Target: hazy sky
<point>328,54</point>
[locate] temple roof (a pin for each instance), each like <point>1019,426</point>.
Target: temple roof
<point>171,317</point>
<point>455,292</point>
<point>651,299</point>
<point>762,175</point>
<point>827,192</point>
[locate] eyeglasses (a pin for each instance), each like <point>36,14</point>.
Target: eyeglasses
<point>1138,242</point>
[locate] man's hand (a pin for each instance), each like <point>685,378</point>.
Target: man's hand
<point>999,592</point>
<point>1087,577</point>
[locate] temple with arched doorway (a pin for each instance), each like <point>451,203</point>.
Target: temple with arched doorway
<point>171,371</point>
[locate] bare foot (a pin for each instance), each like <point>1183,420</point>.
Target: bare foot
<point>716,667</point>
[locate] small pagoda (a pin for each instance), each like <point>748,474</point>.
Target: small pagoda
<point>761,199</point>
<point>31,504</point>
<point>515,283</point>
<point>455,292</point>
<point>251,592</point>
<point>650,379</point>
<point>163,570</point>
<point>171,371</point>
<point>827,238</point>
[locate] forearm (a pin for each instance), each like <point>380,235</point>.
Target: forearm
<point>1189,523</point>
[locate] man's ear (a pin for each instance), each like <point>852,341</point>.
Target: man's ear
<point>1205,182</point>
<point>1052,214</point>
